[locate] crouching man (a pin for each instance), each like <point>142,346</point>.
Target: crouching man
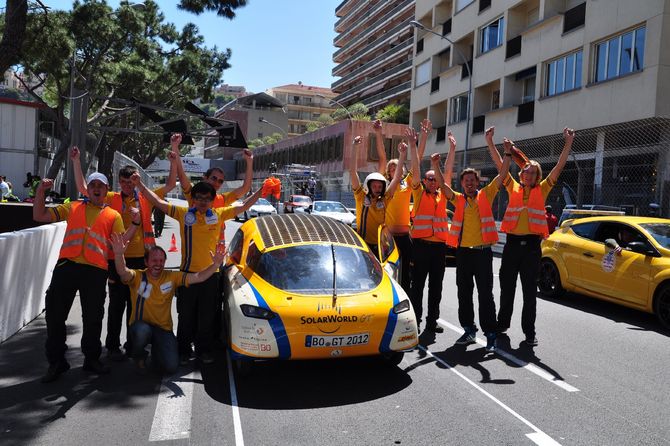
<point>151,293</point>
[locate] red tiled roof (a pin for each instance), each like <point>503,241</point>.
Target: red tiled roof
<point>302,87</point>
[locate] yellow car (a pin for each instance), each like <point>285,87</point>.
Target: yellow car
<point>582,256</point>
<point>300,286</point>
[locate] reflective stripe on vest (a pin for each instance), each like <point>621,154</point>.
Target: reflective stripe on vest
<point>145,213</point>
<point>430,217</point>
<point>487,223</point>
<point>96,248</point>
<point>537,222</point>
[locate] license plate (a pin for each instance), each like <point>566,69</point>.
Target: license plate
<point>337,341</point>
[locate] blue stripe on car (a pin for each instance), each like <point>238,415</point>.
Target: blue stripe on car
<point>391,322</point>
<point>277,326</point>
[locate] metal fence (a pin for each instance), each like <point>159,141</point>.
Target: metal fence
<point>626,166</point>
<point>121,160</point>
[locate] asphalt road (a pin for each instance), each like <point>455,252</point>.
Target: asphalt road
<point>598,377</point>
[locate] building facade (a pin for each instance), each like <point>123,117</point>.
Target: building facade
<point>304,103</point>
<point>533,67</point>
<point>374,52</point>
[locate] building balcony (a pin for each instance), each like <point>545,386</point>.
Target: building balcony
<point>343,57</point>
<point>395,52</point>
<point>405,67</point>
<point>349,39</point>
<point>386,95</point>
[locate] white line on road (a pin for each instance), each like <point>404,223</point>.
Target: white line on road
<point>237,423</point>
<point>521,363</point>
<point>172,418</point>
<point>538,437</point>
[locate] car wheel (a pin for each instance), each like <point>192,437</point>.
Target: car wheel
<point>394,358</point>
<point>242,368</point>
<point>549,281</point>
<point>662,305</point>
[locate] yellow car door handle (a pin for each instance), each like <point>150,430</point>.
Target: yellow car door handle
<point>587,254</point>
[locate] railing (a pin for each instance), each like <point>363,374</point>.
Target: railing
<point>395,50</point>
<point>405,66</point>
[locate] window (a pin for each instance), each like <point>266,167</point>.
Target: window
<point>528,90</point>
<point>574,18</point>
<point>459,108</point>
<point>460,4</point>
<point>495,100</point>
<point>564,74</point>
<point>422,74</point>
<point>492,35</point>
<point>620,55</point>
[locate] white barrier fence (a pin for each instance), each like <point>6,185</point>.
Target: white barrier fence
<point>28,259</point>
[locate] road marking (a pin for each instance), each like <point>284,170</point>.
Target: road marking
<point>537,436</point>
<point>172,418</point>
<point>521,363</point>
<point>237,423</point>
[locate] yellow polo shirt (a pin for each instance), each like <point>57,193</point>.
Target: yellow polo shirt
<point>62,212</point>
<point>200,234</point>
<point>370,217</point>
<point>522,224</point>
<point>471,234</point>
<point>227,197</point>
<point>154,306</point>
<point>397,213</point>
<point>136,246</point>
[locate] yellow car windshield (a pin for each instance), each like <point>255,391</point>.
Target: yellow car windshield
<point>660,232</point>
<point>310,269</point>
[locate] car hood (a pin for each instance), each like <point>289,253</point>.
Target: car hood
<point>263,208</point>
<point>340,216</point>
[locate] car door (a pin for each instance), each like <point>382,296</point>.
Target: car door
<point>388,252</point>
<point>622,277</point>
<point>570,245</point>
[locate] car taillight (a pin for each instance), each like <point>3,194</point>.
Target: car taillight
<point>401,307</point>
<point>256,312</point>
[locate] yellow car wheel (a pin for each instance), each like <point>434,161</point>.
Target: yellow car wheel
<point>549,280</point>
<point>662,305</point>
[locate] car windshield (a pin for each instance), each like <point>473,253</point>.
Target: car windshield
<point>263,202</point>
<point>329,207</point>
<point>301,199</point>
<point>660,232</point>
<point>309,269</point>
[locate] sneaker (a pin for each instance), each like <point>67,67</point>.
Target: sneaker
<point>531,340</point>
<point>55,370</point>
<point>467,338</point>
<point>206,358</point>
<point>490,342</point>
<point>116,355</point>
<point>95,366</point>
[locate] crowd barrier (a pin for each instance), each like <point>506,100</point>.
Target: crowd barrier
<point>28,259</point>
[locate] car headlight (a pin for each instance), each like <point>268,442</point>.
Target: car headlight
<point>401,307</point>
<point>257,312</point>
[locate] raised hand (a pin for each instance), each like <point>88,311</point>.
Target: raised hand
<point>568,135</point>
<point>219,256</point>
<point>377,125</point>
<point>358,140</point>
<point>402,147</point>
<point>410,133</point>
<point>489,134</point>
<point>74,153</point>
<point>175,140</point>
<point>426,126</point>
<point>119,245</point>
<point>435,159</point>
<point>507,145</point>
<point>136,179</point>
<point>248,154</point>
<point>135,216</point>
<point>45,185</point>
<point>452,140</point>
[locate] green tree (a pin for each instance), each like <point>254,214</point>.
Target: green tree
<point>255,143</point>
<point>127,54</point>
<point>357,111</point>
<point>397,113</point>
<point>321,122</point>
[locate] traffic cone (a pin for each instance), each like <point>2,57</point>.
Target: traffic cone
<point>173,244</point>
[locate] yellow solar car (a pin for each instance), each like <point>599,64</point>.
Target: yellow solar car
<point>581,256</point>
<point>300,286</point>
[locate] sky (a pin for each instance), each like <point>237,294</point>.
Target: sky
<point>273,42</point>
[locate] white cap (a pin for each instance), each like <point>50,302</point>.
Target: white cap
<point>97,176</point>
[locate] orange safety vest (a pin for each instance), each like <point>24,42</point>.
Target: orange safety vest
<point>537,223</point>
<point>219,201</point>
<point>486,221</point>
<point>430,217</point>
<point>145,211</point>
<point>96,249</point>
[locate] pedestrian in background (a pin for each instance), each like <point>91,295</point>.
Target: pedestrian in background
<point>552,220</point>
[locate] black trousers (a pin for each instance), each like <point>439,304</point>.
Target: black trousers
<point>159,222</point>
<point>429,262</point>
<point>404,244</point>
<point>477,264</point>
<point>119,301</point>
<point>68,278</point>
<point>196,305</point>
<point>521,257</point>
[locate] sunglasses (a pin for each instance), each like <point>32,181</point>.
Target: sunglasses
<point>216,179</point>
<point>430,179</point>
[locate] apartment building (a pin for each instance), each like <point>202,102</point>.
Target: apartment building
<point>532,67</point>
<point>374,52</point>
<point>304,103</point>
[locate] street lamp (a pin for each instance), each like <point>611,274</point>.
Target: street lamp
<point>337,103</point>
<point>419,25</point>
<point>265,121</point>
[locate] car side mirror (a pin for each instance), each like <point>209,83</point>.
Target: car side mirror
<point>642,248</point>
<point>309,209</point>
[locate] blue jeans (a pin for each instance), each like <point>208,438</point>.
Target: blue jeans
<point>163,344</point>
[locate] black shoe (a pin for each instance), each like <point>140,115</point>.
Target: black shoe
<point>55,370</point>
<point>116,355</point>
<point>435,328</point>
<point>490,341</point>
<point>531,340</point>
<point>95,366</point>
